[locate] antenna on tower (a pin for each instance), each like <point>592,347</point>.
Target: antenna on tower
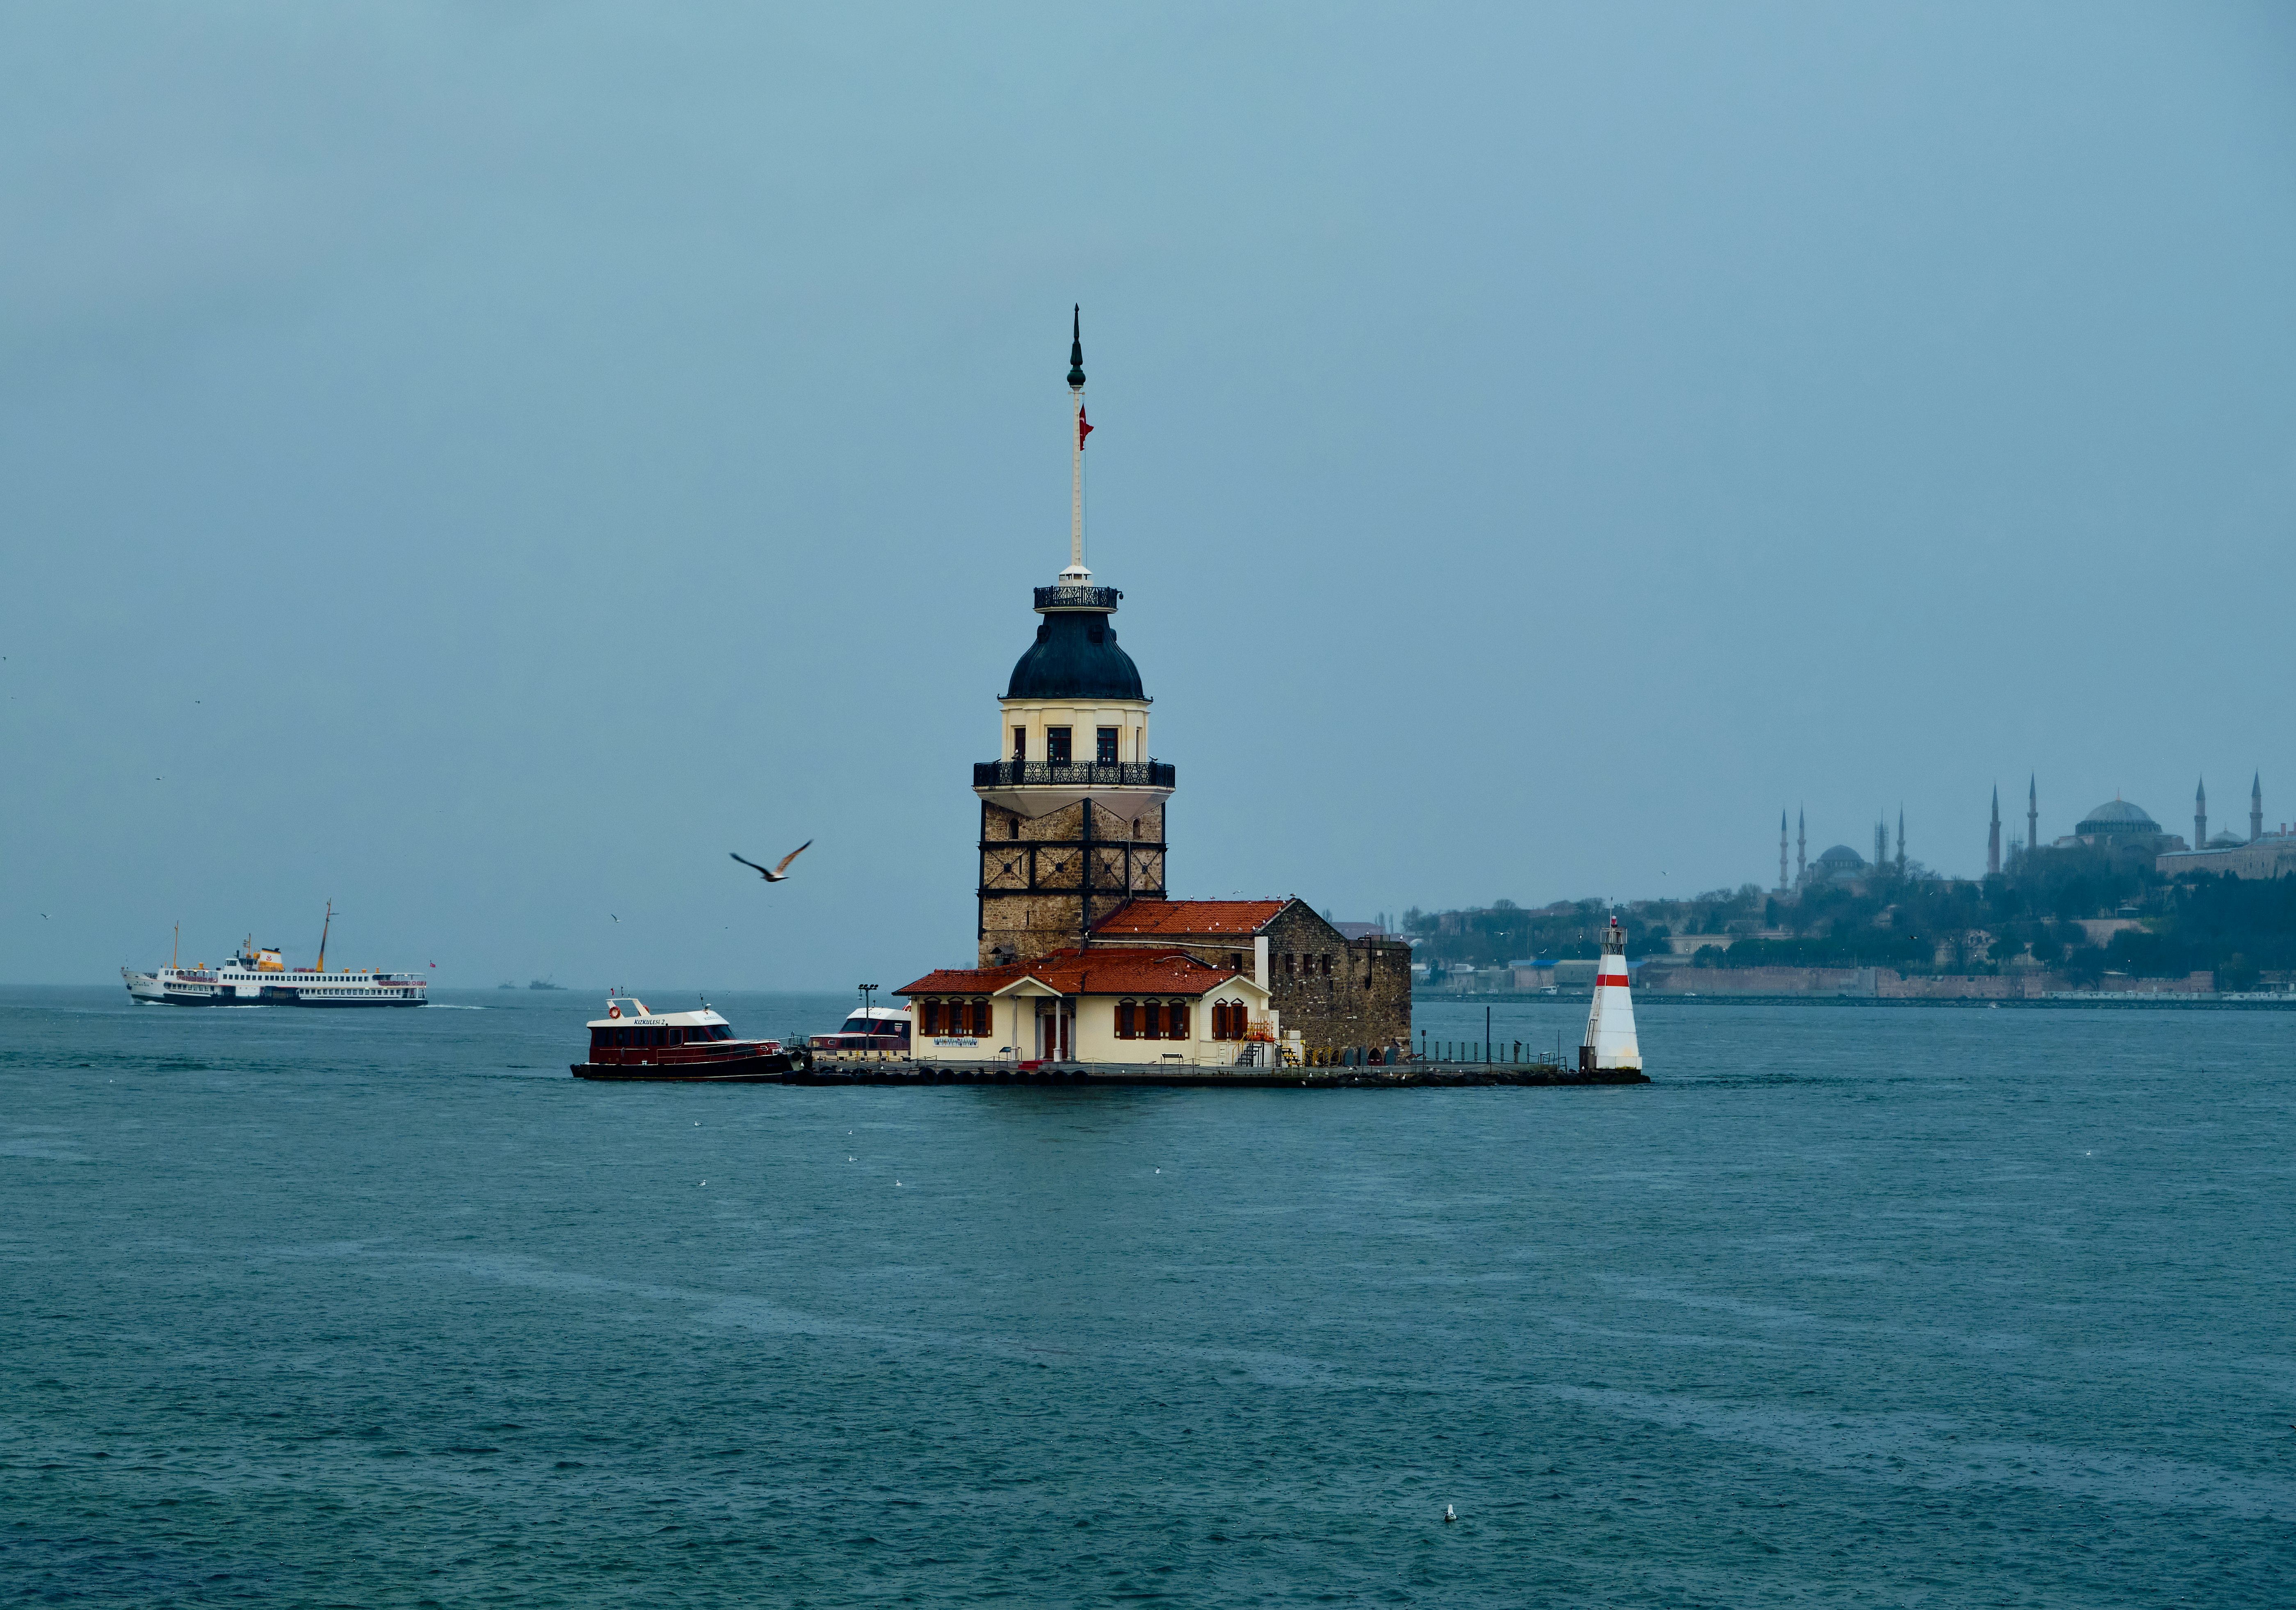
<point>1076,575</point>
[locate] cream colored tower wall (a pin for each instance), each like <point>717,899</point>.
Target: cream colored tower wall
<point>1129,717</point>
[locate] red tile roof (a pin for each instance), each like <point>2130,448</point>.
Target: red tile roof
<point>962,981</point>
<point>1113,972</point>
<point>1174,917</point>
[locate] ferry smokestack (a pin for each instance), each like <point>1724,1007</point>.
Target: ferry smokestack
<point>1609,1041</point>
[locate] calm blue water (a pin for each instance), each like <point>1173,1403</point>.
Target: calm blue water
<point>1854,1306</point>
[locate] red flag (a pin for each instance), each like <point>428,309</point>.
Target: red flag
<point>1084,427</point>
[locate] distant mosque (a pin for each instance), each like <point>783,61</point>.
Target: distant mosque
<point>1840,865</point>
<point>2122,827</point>
<point>2119,828</point>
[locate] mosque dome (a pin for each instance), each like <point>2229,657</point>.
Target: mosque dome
<point>2116,818</point>
<point>1075,656</point>
<point>1841,859</point>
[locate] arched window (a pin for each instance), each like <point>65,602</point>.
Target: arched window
<point>1227,1020</point>
<point>1152,1021</point>
<point>1127,1019</point>
<point>1175,1021</point>
<point>932,1018</point>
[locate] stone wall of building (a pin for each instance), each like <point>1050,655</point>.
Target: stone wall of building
<point>1334,990</point>
<point>1032,898</point>
<point>2270,857</point>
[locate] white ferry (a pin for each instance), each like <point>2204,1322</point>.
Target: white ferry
<point>259,976</point>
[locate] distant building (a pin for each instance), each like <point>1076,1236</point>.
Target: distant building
<point>2121,826</point>
<point>1838,864</point>
<point>2263,855</point>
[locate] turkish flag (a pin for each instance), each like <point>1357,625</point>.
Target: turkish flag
<point>1084,427</point>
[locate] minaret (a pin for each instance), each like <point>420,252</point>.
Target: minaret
<point>1801,846</point>
<point>1783,885</point>
<point>2256,808</point>
<point>1881,843</point>
<point>1993,838</point>
<point>2200,815</point>
<point>1901,842</point>
<point>2032,813</point>
<point>1072,819</point>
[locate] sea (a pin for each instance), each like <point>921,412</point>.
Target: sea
<point>1852,1304</point>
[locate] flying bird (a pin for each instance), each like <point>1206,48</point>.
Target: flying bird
<point>777,873</point>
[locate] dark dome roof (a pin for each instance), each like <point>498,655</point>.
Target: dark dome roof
<point>1075,656</point>
<point>1841,855</point>
<point>2117,815</point>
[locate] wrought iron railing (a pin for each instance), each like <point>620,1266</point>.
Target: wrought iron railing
<point>1076,597</point>
<point>1045,774</point>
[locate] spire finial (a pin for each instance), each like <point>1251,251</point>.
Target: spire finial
<point>1076,345</point>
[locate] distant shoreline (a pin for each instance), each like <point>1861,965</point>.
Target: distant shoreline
<point>2113,1002</point>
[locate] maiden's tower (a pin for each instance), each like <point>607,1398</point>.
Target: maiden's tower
<point>1072,815</point>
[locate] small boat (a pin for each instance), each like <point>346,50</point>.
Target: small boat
<point>880,1033</point>
<point>632,1042</point>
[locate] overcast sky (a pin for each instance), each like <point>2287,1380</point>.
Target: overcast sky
<point>480,463</point>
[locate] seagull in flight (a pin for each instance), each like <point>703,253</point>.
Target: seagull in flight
<point>775,874</point>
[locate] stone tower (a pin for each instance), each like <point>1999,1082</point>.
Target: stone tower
<point>2201,816</point>
<point>1072,817</point>
<point>1993,838</point>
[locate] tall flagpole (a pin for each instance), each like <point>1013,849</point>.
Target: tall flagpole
<point>1076,439</point>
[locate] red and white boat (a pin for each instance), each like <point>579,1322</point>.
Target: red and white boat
<point>632,1042</point>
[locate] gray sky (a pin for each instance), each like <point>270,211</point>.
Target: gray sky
<point>480,463</point>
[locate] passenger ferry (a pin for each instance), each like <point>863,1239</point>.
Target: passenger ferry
<point>259,976</point>
<point>632,1042</point>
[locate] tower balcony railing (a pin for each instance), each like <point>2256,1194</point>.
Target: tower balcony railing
<point>1047,773</point>
<point>1078,597</point>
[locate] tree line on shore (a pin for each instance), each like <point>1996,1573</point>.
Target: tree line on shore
<point>2033,915</point>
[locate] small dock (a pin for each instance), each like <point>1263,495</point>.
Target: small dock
<point>1402,1076</point>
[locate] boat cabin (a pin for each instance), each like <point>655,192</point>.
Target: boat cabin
<point>629,1034</point>
<point>872,1031</point>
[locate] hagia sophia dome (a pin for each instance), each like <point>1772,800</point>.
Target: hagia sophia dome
<point>1841,859</point>
<point>2117,818</point>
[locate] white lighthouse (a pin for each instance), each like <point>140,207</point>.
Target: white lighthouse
<point>1609,1041</point>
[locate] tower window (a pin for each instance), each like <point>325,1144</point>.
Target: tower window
<point>1291,964</point>
<point>1236,961</point>
<point>1012,831</point>
<point>1327,959</point>
<point>1056,745</point>
<point>1020,744</point>
<point>1105,751</point>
